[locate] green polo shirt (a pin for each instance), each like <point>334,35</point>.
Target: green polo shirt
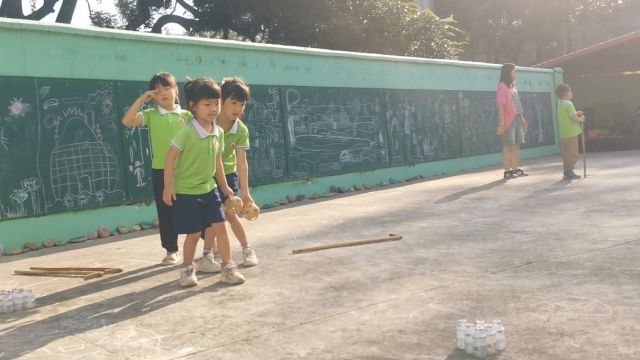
<point>196,165</point>
<point>236,138</point>
<point>163,126</point>
<point>567,127</point>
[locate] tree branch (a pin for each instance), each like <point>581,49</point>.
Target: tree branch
<point>186,23</point>
<point>45,9</point>
<point>67,9</point>
<point>189,8</point>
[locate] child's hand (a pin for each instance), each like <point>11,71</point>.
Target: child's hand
<point>168,195</point>
<point>247,199</point>
<point>580,113</point>
<point>149,95</point>
<point>228,192</point>
<point>524,123</point>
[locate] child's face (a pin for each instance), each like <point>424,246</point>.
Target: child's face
<point>233,108</point>
<point>166,96</point>
<point>514,75</point>
<point>569,95</point>
<point>206,110</point>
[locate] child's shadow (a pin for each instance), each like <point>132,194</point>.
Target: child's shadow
<point>457,195</point>
<point>29,337</point>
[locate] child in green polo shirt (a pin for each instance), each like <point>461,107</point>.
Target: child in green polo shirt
<point>570,127</point>
<point>193,160</point>
<point>164,122</point>
<point>235,95</point>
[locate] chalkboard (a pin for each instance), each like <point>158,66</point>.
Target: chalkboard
<point>263,116</point>
<point>333,130</point>
<point>479,119</point>
<point>136,145</point>
<point>21,190</point>
<point>537,111</point>
<point>422,126</point>
<point>60,146</point>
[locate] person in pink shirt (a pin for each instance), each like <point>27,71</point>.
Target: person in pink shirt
<point>511,123</point>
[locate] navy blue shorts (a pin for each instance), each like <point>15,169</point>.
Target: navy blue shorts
<point>233,182</point>
<point>194,213</point>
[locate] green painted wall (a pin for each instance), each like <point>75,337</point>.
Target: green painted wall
<point>70,52</point>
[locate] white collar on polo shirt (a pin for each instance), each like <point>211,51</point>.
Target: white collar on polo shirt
<point>176,110</point>
<point>234,128</point>
<point>202,133</point>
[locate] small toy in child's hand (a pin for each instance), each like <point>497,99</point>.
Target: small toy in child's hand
<point>250,211</point>
<point>233,205</point>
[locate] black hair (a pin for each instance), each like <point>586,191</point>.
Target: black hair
<point>164,79</point>
<point>200,89</point>
<point>505,74</point>
<point>236,89</point>
<point>562,90</point>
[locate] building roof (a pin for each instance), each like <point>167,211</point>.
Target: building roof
<point>618,55</point>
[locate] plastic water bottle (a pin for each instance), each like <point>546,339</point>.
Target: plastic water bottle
<point>6,305</point>
<point>501,339</point>
<point>16,296</point>
<point>468,338</point>
<point>461,327</point>
<point>480,342</point>
<point>30,300</point>
<point>491,339</point>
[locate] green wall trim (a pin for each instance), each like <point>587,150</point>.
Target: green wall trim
<point>89,53</point>
<point>62,227</point>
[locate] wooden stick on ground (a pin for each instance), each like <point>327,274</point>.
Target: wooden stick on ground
<point>105,270</point>
<point>391,237</point>
<point>86,275</point>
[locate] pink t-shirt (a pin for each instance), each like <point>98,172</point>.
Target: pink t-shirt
<point>508,98</point>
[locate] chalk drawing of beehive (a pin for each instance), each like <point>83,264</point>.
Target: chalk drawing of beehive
<point>86,167</point>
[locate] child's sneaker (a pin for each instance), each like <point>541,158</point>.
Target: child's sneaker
<point>171,259</point>
<point>520,173</point>
<point>573,175</point>
<point>217,258</point>
<point>208,264</point>
<point>249,256</point>
<point>230,274</point>
<point>508,174</point>
<point>188,276</point>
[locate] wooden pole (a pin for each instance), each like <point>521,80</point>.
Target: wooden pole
<point>584,153</point>
<point>391,237</point>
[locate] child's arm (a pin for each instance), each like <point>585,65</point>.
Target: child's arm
<point>500,129</point>
<point>169,193</point>
<point>133,116</point>
<point>243,173</point>
<point>221,179</point>
<point>578,117</point>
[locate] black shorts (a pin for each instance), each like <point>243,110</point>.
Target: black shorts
<point>194,213</point>
<point>234,183</point>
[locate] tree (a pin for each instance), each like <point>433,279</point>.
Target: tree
<point>525,31</point>
<point>13,9</point>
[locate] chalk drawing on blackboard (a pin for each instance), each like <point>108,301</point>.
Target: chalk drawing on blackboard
<point>137,153</point>
<point>32,186</point>
<point>263,121</point>
<point>333,131</point>
<point>82,167</point>
<point>18,108</point>
<point>3,139</point>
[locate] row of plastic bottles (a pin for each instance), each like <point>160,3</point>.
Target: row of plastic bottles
<point>16,300</point>
<point>480,338</point>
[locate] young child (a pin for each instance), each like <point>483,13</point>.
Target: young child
<point>511,122</point>
<point>163,122</point>
<point>570,125</point>
<point>235,95</point>
<point>194,159</point>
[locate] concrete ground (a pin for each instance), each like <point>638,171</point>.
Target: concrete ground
<point>556,261</point>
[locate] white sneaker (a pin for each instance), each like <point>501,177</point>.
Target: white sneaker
<point>171,259</point>
<point>188,276</point>
<point>230,274</point>
<point>249,256</point>
<point>217,258</point>
<point>208,264</point>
